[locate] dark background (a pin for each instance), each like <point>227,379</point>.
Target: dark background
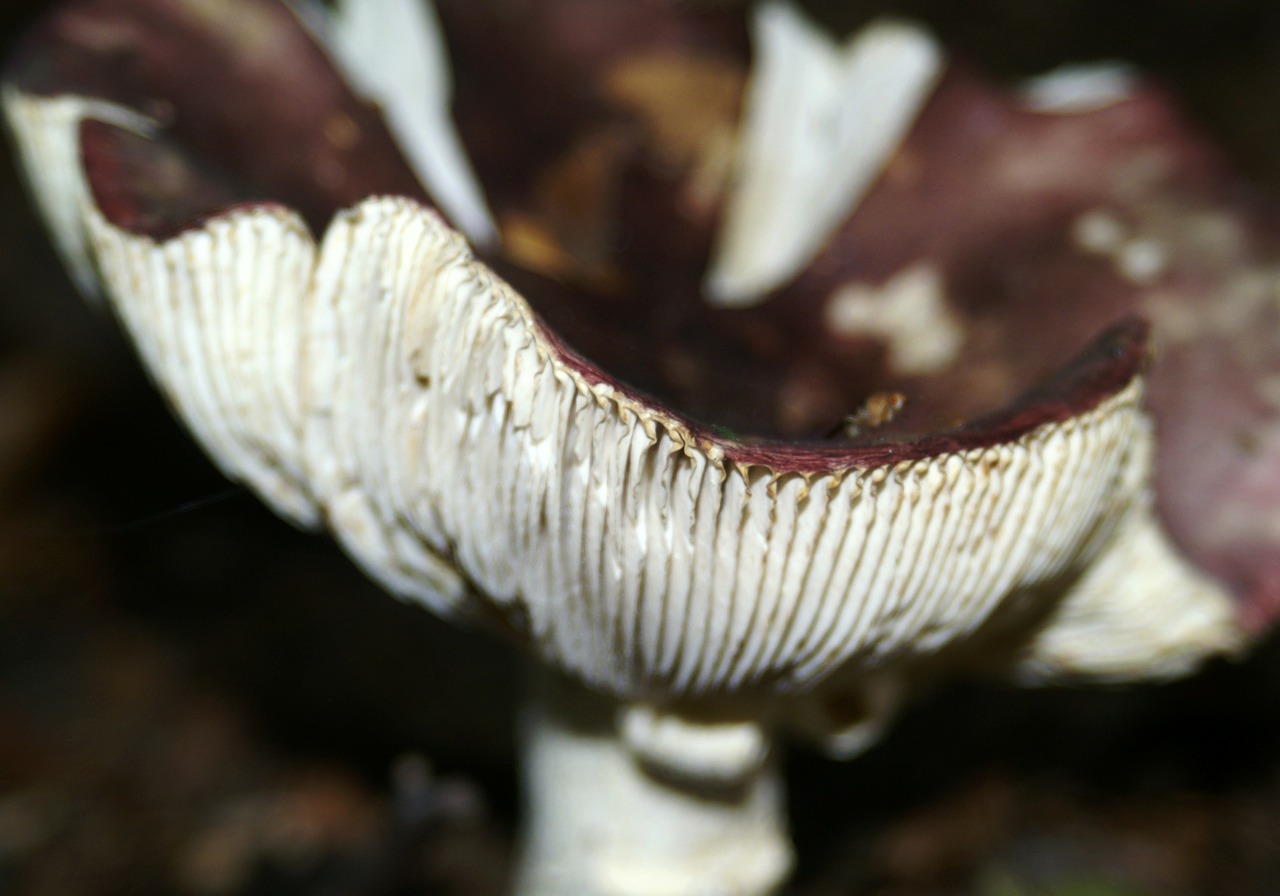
<point>195,698</point>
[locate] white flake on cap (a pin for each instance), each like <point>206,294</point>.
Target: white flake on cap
<point>909,311</point>
<point>1076,89</point>
<point>821,120</point>
<point>393,52</point>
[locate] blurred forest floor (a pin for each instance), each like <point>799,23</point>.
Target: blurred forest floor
<point>196,699</point>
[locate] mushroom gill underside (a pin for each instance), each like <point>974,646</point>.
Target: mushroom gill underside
<point>930,444</point>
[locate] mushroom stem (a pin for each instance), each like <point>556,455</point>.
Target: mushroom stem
<point>603,821</point>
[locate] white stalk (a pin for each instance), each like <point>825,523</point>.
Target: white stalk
<point>603,821</point>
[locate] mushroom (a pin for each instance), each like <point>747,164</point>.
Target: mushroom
<point>672,539</point>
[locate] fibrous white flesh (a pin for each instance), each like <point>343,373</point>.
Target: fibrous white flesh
<point>393,53</point>
<point>387,382</point>
<point>602,824</point>
<point>47,136</point>
<point>820,123</point>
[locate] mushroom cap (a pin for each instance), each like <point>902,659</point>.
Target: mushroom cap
<point>333,343</point>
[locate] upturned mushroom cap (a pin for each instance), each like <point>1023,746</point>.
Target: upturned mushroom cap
<point>336,345</point>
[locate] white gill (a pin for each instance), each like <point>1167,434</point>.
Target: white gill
<point>383,381</point>
<point>414,405</point>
